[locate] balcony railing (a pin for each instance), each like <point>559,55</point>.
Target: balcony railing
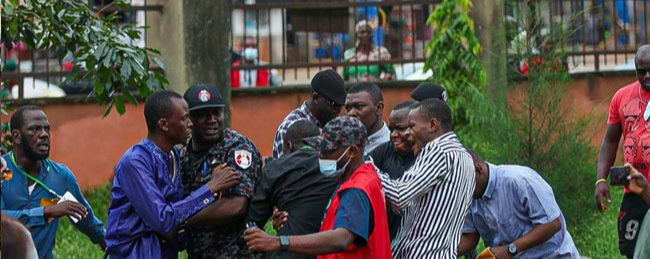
<point>297,38</point>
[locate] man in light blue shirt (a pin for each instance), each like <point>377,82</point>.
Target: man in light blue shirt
<point>37,181</point>
<point>515,212</point>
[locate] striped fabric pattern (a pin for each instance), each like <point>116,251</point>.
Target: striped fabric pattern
<point>434,197</point>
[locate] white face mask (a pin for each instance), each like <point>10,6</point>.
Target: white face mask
<point>250,53</point>
<point>328,166</point>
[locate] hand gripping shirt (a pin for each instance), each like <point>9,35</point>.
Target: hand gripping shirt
<point>241,153</point>
<point>148,200</point>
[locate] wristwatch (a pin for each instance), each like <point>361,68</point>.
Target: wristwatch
<point>284,243</point>
<point>512,249</point>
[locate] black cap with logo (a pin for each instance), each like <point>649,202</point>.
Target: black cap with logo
<point>203,95</point>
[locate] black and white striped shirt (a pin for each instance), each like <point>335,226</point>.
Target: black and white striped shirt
<point>434,196</point>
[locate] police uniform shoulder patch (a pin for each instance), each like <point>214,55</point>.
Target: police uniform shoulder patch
<point>243,158</point>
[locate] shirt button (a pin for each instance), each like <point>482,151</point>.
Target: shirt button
<point>206,201</point>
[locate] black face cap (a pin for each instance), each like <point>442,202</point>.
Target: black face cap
<point>203,95</point>
<point>427,91</point>
<point>329,84</point>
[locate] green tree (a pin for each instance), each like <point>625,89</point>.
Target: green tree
<point>109,64</point>
<point>454,58</point>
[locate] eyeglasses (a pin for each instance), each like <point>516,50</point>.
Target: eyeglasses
<point>332,103</point>
<point>642,71</point>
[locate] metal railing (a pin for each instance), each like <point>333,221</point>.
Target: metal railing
<point>596,35</point>
<point>296,39</point>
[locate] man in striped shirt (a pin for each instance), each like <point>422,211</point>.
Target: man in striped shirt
<point>435,193</point>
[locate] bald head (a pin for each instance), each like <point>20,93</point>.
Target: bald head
<point>642,63</point>
<point>643,51</point>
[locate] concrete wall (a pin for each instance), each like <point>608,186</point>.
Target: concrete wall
<point>92,145</point>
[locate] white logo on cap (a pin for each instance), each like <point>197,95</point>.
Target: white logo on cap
<point>204,95</point>
<point>444,95</point>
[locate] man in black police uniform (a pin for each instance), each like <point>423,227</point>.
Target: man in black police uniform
<point>217,231</point>
<point>295,185</point>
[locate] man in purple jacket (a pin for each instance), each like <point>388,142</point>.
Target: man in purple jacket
<point>148,209</point>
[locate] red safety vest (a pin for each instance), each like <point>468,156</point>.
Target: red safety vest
<point>365,178</point>
<point>263,76</point>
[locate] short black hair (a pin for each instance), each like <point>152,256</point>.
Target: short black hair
<point>370,88</point>
<point>475,156</point>
<point>18,118</point>
<point>405,104</point>
<point>159,105</point>
<point>438,109</point>
<point>299,130</point>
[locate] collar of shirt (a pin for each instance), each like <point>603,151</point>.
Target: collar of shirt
<point>382,134</point>
<point>491,181</point>
<point>305,110</point>
<point>377,138</point>
<point>46,166</point>
<point>444,137</point>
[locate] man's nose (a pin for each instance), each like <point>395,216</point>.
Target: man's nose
<point>212,117</point>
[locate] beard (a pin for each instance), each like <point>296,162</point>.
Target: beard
<point>33,155</point>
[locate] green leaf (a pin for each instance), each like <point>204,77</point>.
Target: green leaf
<point>129,97</point>
<point>119,104</point>
<point>158,62</point>
<point>71,76</point>
<point>99,52</point>
<point>99,87</point>
<point>9,9</point>
<point>108,109</point>
<point>125,70</point>
<point>108,59</point>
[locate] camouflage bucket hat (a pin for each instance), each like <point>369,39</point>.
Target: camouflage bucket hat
<point>343,131</point>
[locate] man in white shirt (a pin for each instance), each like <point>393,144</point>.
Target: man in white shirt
<point>365,101</point>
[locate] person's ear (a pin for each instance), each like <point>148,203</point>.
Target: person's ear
<point>354,151</point>
<point>16,136</point>
<point>380,108</point>
<point>162,123</point>
<point>434,124</point>
<point>314,97</point>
